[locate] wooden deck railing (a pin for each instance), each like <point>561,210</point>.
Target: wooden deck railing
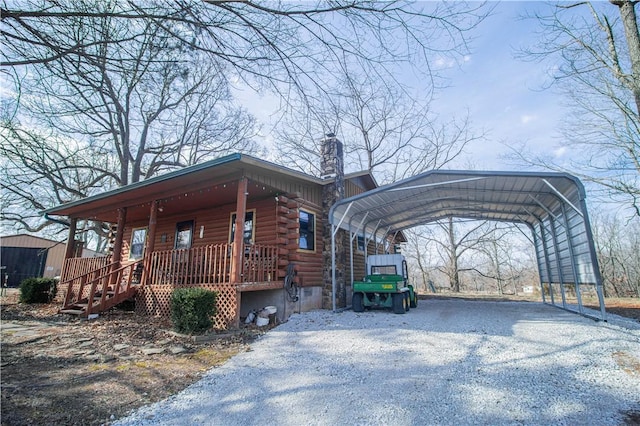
<point>77,266</point>
<point>198,265</point>
<point>212,265</point>
<point>260,263</point>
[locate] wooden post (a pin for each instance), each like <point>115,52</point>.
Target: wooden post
<point>68,254</point>
<point>116,257</point>
<point>71,239</point>
<point>150,243</point>
<point>238,239</point>
<point>241,210</point>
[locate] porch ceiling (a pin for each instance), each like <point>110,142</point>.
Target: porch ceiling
<point>212,183</point>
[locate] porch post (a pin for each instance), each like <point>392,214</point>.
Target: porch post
<point>151,239</point>
<point>71,239</point>
<point>117,244</point>
<point>238,240</point>
<point>241,210</point>
<point>70,249</point>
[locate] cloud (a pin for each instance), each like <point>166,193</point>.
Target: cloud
<point>559,152</point>
<point>526,118</point>
<point>444,62</point>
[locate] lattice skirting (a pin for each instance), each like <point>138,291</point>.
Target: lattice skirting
<point>155,301</point>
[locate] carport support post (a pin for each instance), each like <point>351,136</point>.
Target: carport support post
<point>333,267</point>
<point>594,259</point>
<point>574,268</point>
<point>556,250</point>
<point>547,261</point>
<point>536,242</point>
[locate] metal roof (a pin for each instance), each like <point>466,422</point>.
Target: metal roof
<point>552,205</point>
<point>187,177</point>
<point>502,196</point>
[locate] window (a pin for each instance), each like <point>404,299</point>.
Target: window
<point>138,238</point>
<point>184,235</point>
<point>360,244</point>
<point>307,230</point>
<point>384,270</point>
<point>249,228</point>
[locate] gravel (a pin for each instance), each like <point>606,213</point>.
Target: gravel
<point>449,362</point>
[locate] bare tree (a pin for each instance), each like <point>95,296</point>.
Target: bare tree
<point>145,86</point>
<point>594,55</point>
<point>288,46</point>
<point>385,131</point>
<point>453,242</point>
<point>419,260</point>
<point>508,263</point>
<point>617,245</point>
<point>110,114</point>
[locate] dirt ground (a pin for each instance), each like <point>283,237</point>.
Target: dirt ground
<point>56,369</point>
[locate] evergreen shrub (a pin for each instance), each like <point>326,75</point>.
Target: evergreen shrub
<point>192,309</point>
<point>38,290</point>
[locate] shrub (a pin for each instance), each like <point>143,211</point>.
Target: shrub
<point>192,309</point>
<point>38,290</point>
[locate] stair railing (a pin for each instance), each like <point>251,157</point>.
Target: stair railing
<point>100,280</point>
<point>82,280</point>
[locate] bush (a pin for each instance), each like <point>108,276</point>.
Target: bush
<point>38,290</point>
<point>192,309</point>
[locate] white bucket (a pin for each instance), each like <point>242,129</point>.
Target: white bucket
<point>260,321</point>
<point>270,310</point>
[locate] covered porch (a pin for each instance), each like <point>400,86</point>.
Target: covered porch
<point>220,255</point>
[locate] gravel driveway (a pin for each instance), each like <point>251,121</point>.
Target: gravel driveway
<point>449,362</point>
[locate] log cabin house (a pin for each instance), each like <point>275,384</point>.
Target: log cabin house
<point>237,225</point>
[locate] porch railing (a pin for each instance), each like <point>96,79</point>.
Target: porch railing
<point>260,263</point>
<point>77,266</point>
<point>198,265</point>
<point>212,265</point>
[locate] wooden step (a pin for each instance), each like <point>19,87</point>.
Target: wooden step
<point>72,311</point>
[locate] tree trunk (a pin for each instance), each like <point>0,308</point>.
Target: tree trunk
<point>630,22</point>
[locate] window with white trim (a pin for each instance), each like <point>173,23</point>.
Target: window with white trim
<point>138,239</point>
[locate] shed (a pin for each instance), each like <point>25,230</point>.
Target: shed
<point>27,256</point>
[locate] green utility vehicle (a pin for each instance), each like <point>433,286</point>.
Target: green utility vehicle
<point>385,285</point>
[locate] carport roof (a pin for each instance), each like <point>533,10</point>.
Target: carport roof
<point>522,197</point>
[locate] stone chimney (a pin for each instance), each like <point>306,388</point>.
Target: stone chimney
<point>332,171</point>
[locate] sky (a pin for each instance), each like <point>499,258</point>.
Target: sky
<point>501,93</point>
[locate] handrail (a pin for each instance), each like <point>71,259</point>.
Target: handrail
<point>83,280</point>
<point>100,279</point>
<point>107,280</point>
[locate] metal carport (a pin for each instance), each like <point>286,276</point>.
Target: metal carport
<point>551,205</point>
